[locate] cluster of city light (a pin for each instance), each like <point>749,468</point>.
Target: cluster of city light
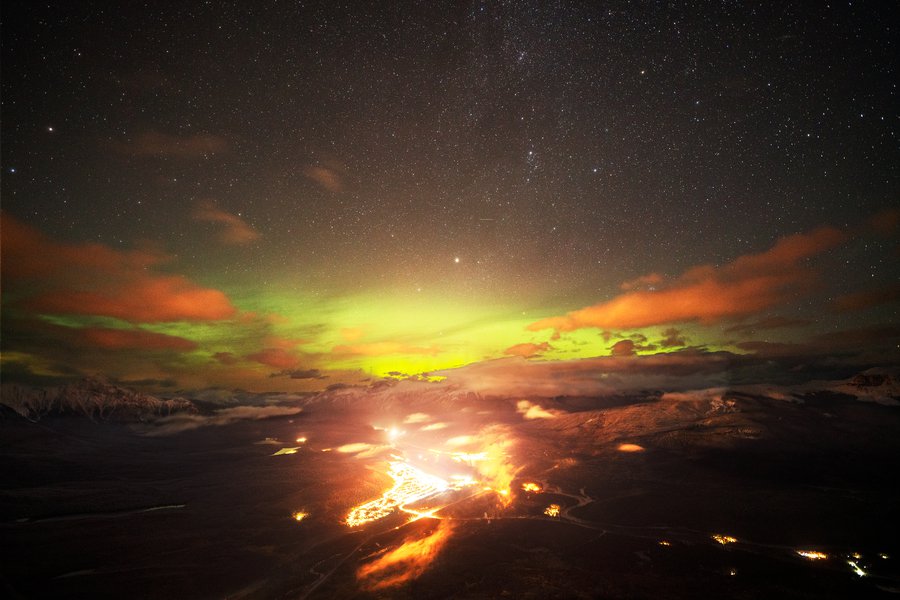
<point>410,486</point>
<point>407,561</point>
<point>856,568</point>
<point>723,539</point>
<point>531,487</point>
<point>812,554</point>
<point>552,510</point>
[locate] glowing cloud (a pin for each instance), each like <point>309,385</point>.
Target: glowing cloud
<point>630,448</point>
<point>748,285</point>
<point>234,229</point>
<point>328,178</point>
<point>95,280</point>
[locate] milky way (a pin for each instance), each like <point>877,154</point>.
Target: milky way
<point>280,196</point>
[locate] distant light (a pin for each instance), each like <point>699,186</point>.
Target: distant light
<point>812,554</point>
<point>50,129</point>
<point>552,510</point>
<point>630,448</point>
<point>884,556</point>
<point>531,487</point>
<point>723,539</point>
<point>301,440</point>
<point>456,259</point>
<point>665,543</point>
<point>856,568</point>
<point>732,572</point>
<point>299,515</point>
<point>285,451</point>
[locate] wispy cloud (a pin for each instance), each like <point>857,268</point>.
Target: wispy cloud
<point>234,230</point>
<point>748,285</point>
<point>225,416</point>
<point>156,143</point>
<point>328,178</point>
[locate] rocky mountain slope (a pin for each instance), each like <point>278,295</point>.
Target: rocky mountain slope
<point>93,398</point>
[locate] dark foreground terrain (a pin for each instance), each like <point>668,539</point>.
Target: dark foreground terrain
<point>102,510</point>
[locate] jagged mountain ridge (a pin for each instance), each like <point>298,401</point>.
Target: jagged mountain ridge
<point>93,398</point>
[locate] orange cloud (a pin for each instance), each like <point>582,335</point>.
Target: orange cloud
<point>277,358</point>
<point>155,143</point>
<point>352,334</point>
<point>116,339</point>
<point>27,253</point>
<point>748,285</point>
<point>527,350</point>
<point>234,229</point>
<point>385,348</point>
<point>145,300</point>
<point>327,178</point>
<point>93,279</point>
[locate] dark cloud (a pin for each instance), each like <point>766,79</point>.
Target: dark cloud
<point>672,338</point>
<point>877,343</point>
<point>226,416</point>
<point>868,298</point>
<point>623,348</point>
<point>768,323</point>
<point>886,222</point>
<point>226,358</point>
<point>610,375</point>
<point>300,374</point>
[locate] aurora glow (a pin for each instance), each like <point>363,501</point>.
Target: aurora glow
<point>354,197</point>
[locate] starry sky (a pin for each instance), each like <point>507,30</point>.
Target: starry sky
<point>289,196</point>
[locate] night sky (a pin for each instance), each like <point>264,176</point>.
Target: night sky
<point>288,196</point>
